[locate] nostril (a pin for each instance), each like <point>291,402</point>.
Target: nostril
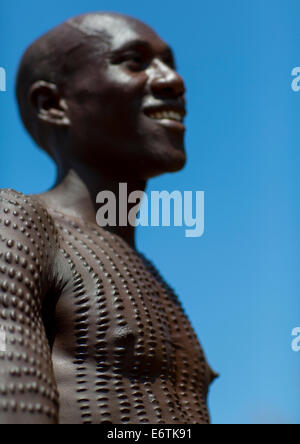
<point>168,86</point>
<point>167,89</point>
<point>168,92</point>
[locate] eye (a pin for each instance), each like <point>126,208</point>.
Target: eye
<point>136,61</point>
<point>132,60</point>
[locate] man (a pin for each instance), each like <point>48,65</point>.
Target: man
<point>90,331</point>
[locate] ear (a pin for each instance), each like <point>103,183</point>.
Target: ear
<point>49,105</point>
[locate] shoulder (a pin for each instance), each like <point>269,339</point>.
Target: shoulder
<point>28,240</point>
<point>24,211</point>
<point>23,219</point>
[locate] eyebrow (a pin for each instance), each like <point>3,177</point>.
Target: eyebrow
<point>142,44</point>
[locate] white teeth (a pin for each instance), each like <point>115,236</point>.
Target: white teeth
<point>170,115</point>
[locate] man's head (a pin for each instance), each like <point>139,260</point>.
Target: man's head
<point>102,90</point>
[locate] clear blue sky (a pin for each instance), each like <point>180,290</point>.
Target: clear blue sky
<point>240,281</point>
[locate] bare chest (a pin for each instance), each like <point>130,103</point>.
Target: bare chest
<point>117,309</point>
<point>120,331</point>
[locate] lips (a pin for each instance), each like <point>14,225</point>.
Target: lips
<point>169,115</point>
<point>175,112</point>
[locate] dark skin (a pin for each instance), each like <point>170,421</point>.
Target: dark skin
<point>135,76</point>
<point>92,333</point>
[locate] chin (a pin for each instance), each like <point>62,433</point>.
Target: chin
<point>171,163</point>
<point>177,163</point>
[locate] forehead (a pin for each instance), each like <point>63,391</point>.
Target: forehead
<point>120,30</point>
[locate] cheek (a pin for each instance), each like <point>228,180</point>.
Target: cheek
<point>121,78</point>
<point>110,106</point>
<point>123,93</point>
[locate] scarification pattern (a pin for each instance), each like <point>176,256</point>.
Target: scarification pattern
<point>123,349</point>
<point>195,375</point>
<point>81,329</point>
<point>27,385</point>
<point>142,372</point>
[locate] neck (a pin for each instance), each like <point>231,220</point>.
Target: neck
<point>76,191</point>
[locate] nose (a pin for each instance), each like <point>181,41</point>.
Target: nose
<point>166,83</point>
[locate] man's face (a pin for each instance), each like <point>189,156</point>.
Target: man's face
<point>126,104</point>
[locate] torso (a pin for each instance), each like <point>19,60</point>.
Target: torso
<point>123,351</point>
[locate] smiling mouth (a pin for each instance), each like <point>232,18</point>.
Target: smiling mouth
<point>173,112</point>
<point>166,115</point>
